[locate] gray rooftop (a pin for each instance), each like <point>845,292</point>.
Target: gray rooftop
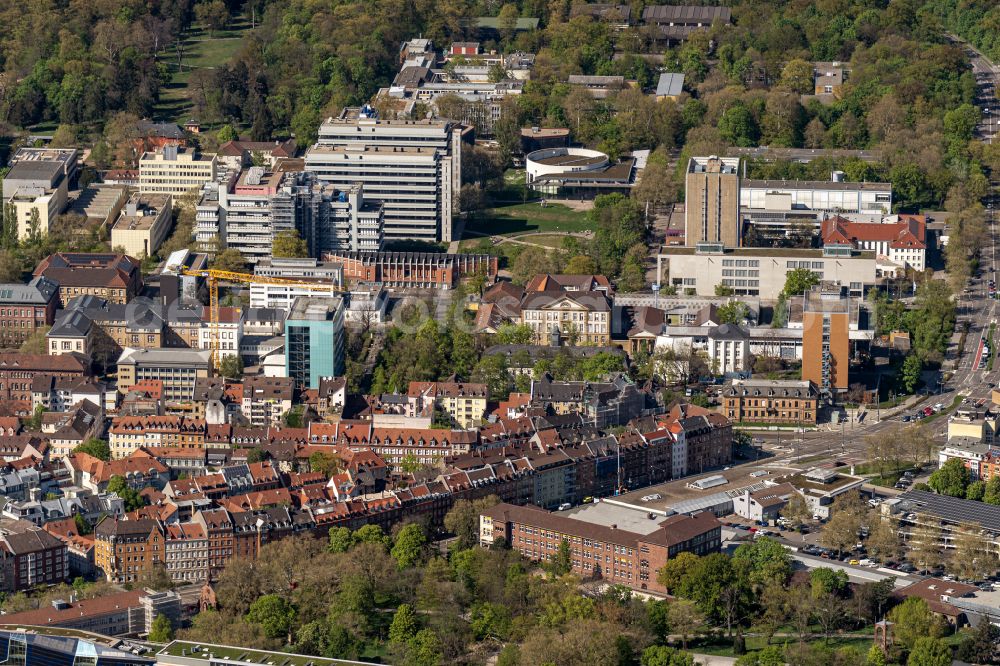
<point>951,509</point>
<point>40,291</point>
<point>165,355</point>
<point>670,84</point>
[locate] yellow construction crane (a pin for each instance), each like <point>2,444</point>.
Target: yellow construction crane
<point>213,277</point>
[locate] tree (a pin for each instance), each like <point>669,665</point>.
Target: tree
<point>972,558</point>
<point>340,540</point>
<point>674,571</point>
<point>883,537</point>
<point>771,655</point>
<point>231,366</point>
<point>661,655</point>
<point>274,615</point>
<point>950,479</point>
<point>95,447</point>
<point>975,491</point>
<point>798,281</point>
<point>213,13</point>
<point>424,649</point>
<point>929,652</point>
<point>685,619</point>
<point>81,524</point>
<point>462,519</point>
<point>129,495</point>
<point>991,495</point>
<point>409,546</point>
<point>983,645</point>
<point>404,624</point>
<point>738,127</point>
<point>515,334</point>
<point>36,342</point>
<point>912,367</point>
<point>562,562</point>
<point>841,531</point>
<point>229,260</point>
<point>288,244</point>
<point>824,580</point>
<point>766,561</point>
<point>490,621</point>
<point>162,630</point>
<point>796,511</point>
<point>154,576</point>
<point>723,289</point>
<point>733,312</point>
<point>797,76</point>
<point>913,620</point>
<point>325,463</point>
<point>876,657</point>
<point>227,133</point>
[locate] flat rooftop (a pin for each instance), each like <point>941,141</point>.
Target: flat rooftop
<point>544,132</point>
<point>815,185</point>
<point>804,253</point>
<point>628,518</point>
<point>148,208</point>
<point>372,150</point>
<point>573,160</point>
<point>310,308</point>
<point>206,651</point>
<point>97,200</point>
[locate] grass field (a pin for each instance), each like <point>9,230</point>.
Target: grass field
<point>200,51</point>
<point>724,648</point>
<point>527,217</point>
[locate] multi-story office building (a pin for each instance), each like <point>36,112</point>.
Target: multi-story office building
<point>24,648</point>
<point>305,270</point>
<point>246,204</point>
<point>580,317</point>
<point>36,187</point>
<point>760,271</point>
<point>25,308</point>
<point>314,340</point>
<point>412,166</point>
<point>826,343</point>
<point>834,196</point>
<point>178,369</point>
<point>143,225</point>
<point>712,202</point>
<point>175,170</point>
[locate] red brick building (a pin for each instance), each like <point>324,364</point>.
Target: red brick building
<point>17,371</point>
<point>25,308</point>
<point>30,556</point>
<point>615,555</point>
<point>114,277</point>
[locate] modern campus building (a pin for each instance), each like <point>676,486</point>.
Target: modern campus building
<point>305,270</point>
<point>712,202</point>
<point>36,187</point>
<point>175,170</point>
<point>577,172</point>
<point>412,166</point>
<point>143,225</point>
<point>178,369</point>
<point>23,648</point>
<point>826,342</point>
<point>761,271</point>
<point>314,340</point>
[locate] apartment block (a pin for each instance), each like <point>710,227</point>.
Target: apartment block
<point>143,225</point>
<point>618,556</point>
<point>30,557</point>
<point>129,433</point>
<point>464,403</point>
<point>26,308</point>
<point>826,344</point>
<point>412,166</point>
<point>123,549</point>
<point>314,340</point>
<point>712,202</point>
<point>17,371</point>
<point>115,277</point>
<point>175,170</point>
<point>266,399</point>
<point>178,369</point>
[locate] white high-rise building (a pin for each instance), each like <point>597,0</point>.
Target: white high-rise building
<point>412,166</point>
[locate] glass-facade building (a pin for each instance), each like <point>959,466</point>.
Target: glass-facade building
<point>28,649</point>
<point>314,340</point>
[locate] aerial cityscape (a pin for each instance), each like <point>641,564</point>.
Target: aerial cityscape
<point>347,332</point>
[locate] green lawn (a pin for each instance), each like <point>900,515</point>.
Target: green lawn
<point>527,217</point>
<point>724,647</point>
<point>200,51</point>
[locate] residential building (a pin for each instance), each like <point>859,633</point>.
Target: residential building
<point>186,553</point>
<point>129,433</point>
<point>67,430</point>
<point>975,454</point>
<point>712,202</point>
<point>60,394</point>
<point>314,340</point>
<point>903,242</point>
<point>366,306</point>
<point>465,404</point>
<point>617,556</point>
<point>227,331</point>
<point>729,349</point>
<point>428,270</point>
<point>771,401</point>
<point>17,371</point>
<point>304,270</point>
<point>562,317</point>
<point>123,549</point>
<point>30,557</point>
<point>26,308</point>
<point>267,399</point>
<point>762,272</point>
<point>175,170</point>
<point>238,154</point>
<point>826,342</point>
<point>35,188</point>
<point>703,439</point>
<point>829,77</point>
<point>115,277</point>
<point>412,166</point>
<point>94,474</point>
<point>178,369</point>
<point>143,225</point>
